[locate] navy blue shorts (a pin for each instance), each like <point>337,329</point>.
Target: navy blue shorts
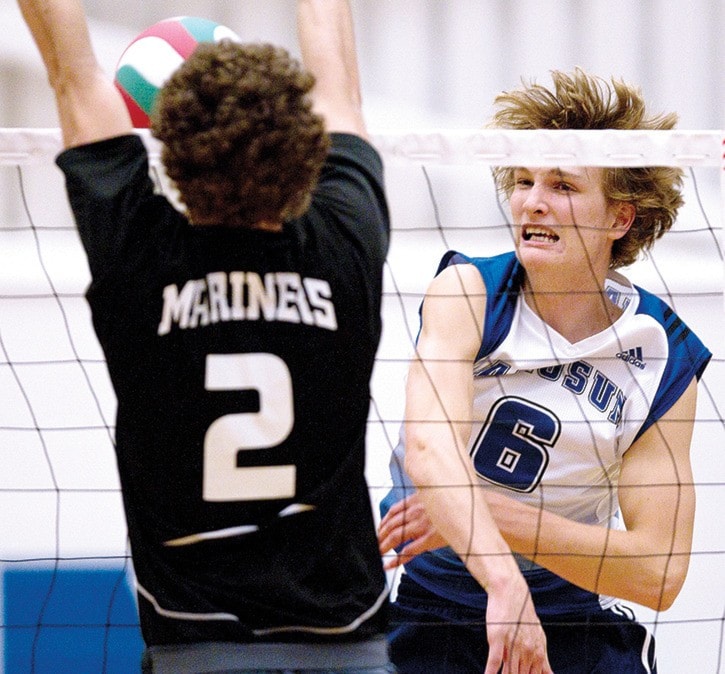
<point>430,635</point>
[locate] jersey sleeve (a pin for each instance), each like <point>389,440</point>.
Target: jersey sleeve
<point>107,183</point>
<point>687,357</point>
<point>351,187</point>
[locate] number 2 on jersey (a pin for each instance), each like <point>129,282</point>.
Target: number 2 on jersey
<point>230,434</point>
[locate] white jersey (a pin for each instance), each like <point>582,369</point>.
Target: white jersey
<point>552,419</point>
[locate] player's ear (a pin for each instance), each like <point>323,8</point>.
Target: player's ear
<point>624,213</point>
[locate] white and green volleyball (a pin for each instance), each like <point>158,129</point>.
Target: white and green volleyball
<point>152,56</point>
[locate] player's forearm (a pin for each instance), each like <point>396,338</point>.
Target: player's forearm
<point>60,32</point>
<point>89,106</point>
<point>631,565</point>
<point>455,504</point>
<point>327,43</point>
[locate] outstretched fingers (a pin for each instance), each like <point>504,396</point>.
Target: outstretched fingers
<point>407,529</point>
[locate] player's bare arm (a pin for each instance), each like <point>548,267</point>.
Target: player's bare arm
<point>327,42</point>
<point>438,415</point>
<point>648,562</point>
<point>89,106</point>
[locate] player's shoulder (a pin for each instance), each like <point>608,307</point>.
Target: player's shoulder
<point>459,279</point>
<point>677,331</point>
<point>454,307</point>
<point>687,355</point>
<point>353,149</point>
<point>498,274</point>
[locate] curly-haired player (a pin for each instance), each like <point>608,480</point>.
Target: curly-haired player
<point>240,337</point>
<point>550,408</point>
<point>240,138</point>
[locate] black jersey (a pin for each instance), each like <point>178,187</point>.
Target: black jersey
<point>241,363</point>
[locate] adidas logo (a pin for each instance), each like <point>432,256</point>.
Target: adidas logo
<point>633,357</point>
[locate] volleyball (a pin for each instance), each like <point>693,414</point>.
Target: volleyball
<point>153,55</point>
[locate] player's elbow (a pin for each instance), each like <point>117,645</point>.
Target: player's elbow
<point>418,454</point>
<point>657,598</point>
<point>664,584</point>
<point>674,580</point>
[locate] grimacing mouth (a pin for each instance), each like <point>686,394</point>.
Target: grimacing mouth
<point>538,233</point>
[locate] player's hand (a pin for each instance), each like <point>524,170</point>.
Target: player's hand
<point>406,524</point>
<point>516,640</point>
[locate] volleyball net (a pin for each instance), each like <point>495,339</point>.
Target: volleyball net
<point>66,578</point>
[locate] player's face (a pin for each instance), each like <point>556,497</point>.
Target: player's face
<point>562,217</point>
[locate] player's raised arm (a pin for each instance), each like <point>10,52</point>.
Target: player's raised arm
<point>89,106</point>
<point>327,42</point>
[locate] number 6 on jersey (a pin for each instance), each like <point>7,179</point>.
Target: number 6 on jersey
<point>268,375</point>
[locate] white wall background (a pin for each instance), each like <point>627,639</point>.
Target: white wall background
<point>428,64</point>
<point>440,62</point>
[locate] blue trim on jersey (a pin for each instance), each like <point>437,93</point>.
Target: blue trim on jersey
<point>502,275</point>
<point>687,358</point>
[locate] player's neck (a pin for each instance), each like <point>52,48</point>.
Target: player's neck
<point>266,226</point>
<point>574,313</point>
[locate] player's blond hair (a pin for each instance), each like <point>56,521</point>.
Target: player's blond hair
<point>582,101</point>
<point>240,139</point>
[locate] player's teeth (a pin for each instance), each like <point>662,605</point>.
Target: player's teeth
<point>540,234</point>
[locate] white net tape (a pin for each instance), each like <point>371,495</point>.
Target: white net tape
<point>492,147</point>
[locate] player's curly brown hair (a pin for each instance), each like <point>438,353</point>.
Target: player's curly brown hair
<point>582,101</point>
<point>240,140</point>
